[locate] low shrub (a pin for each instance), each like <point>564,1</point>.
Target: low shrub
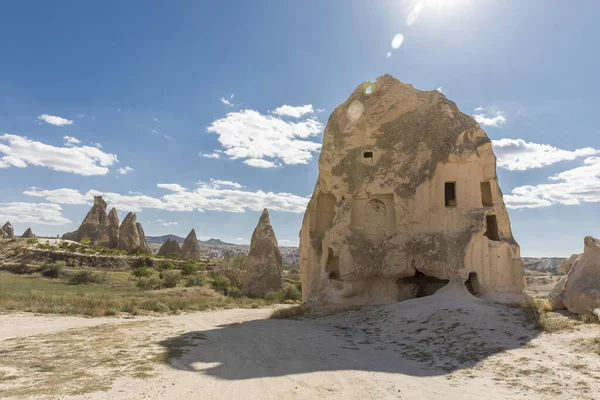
<point>271,296</point>
<point>189,268</point>
<point>220,284</point>
<point>52,270</point>
<point>170,279</point>
<point>138,252</point>
<point>86,240</point>
<point>195,280</point>
<point>142,272</point>
<point>166,265</point>
<point>151,283</point>
<point>32,241</point>
<point>86,277</point>
<point>289,292</point>
<point>234,292</point>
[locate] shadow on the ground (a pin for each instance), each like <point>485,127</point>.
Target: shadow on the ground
<point>393,339</point>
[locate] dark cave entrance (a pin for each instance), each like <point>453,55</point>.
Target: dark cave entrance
<point>472,284</point>
<point>425,285</point>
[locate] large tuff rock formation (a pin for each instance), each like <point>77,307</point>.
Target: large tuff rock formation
<point>129,234</point>
<point>105,230</point>
<point>170,248</point>
<point>579,290</point>
<point>9,231</point>
<point>109,233</point>
<point>92,224</point>
<point>264,268</point>
<point>28,234</point>
<point>191,248</point>
<point>407,198</point>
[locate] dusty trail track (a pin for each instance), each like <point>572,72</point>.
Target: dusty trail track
<point>446,346</point>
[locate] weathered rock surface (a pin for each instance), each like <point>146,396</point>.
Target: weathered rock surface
<point>109,233</point>
<point>407,199</point>
<point>170,248</point>
<point>190,247</point>
<point>8,230</point>
<point>28,234</point>
<point>129,234</point>
<point>579,290</point>
<point>554,296</point>
<point>567,265</point>
<point>143,242</point>
<point>264,267</point>
<point>92,224</point>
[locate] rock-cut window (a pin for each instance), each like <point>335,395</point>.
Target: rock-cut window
<point>450,194</point>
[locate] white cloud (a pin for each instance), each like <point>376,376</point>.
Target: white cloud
<point>60,196</point>
<point>397,41</point>
<point>54,120</point>
<point>519,155</point>
<point>156,119</point>
<point>173,187</point>
<point>249,134</point>
<point>80,115</point>
<point>207,197</point>
<point>219,183</point>
<point>571,187</point>
<point>260,163</point>
<point>412,16</point>
<point>97,145</point>
<point>489,118</point>
<point>32,213</point>
<point>499,119</point>
<point>388,54</point>
<point>125,170</point>
<point>216,154</point>
<point>226,102</point>
<point>169,223</point>
<point>440,89</point>
<point>291,111</point>
<point>81,160</point>
<point>71,141</point>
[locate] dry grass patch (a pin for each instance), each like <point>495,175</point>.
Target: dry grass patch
<point>539,311</point>
<point>288,312</point>
<point>78,361</point>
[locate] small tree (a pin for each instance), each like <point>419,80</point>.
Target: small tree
<point>233,269</point>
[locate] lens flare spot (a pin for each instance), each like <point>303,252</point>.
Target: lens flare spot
<point>388,55</point>
<point>397,41</point>
<point>355,110</point>
<point>412,16</point>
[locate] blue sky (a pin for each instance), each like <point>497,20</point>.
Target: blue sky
<point>149,82</point>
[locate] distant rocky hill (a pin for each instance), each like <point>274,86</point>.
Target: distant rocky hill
<point>179,239</point>
<point>216,248</point>
<point>543,264</point>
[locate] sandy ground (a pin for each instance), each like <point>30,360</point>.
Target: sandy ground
<point>447,346</point>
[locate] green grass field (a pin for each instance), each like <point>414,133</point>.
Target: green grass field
<point>34,293</point>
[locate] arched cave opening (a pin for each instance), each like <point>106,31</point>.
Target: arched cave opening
<point>423,285</point>
<point>472,284</point>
